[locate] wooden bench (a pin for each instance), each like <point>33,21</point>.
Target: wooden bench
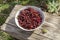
<point>53,33</point>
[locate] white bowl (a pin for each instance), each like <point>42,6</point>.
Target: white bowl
<point>36,8</point>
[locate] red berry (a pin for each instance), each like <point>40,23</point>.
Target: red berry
<point>29,18</point>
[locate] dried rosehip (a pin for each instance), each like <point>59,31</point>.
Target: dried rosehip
<point>29,18</point>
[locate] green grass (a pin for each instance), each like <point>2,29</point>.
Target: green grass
<point>2,19</point>
<point>5,9</point>
<point>4,6</point>
<point>4,12</point>
<point>53,6</point>
<point>5,36</point>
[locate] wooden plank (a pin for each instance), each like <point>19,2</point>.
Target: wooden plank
<point>53,33</point>
<point>50,35</point>
<point>18,33</point>
<point>38,37</point>
<point>15,32</point>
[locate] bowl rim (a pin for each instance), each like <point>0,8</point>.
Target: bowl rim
<point>16,20</point>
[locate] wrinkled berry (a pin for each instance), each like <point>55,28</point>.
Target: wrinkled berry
<point>29,18</point>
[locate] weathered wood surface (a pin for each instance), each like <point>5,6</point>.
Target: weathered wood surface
<point>53,32</point>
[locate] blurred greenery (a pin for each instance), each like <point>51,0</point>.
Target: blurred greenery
<point>5,9</point>
<point>2,19</point>
<point>53,6</point>
<point>5,36</point>
<point>7,5</point>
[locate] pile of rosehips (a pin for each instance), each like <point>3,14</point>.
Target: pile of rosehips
<point>29,18</point>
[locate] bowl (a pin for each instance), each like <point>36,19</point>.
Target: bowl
<point>25,7</point>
